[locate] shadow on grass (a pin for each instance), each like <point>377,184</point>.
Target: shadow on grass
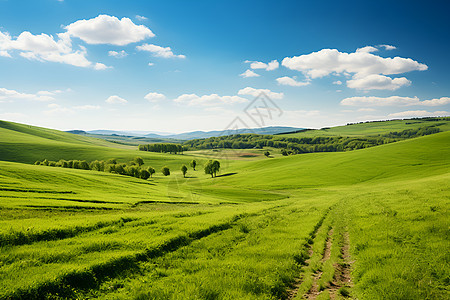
<point>226,174</point>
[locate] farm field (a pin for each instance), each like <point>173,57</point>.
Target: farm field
<point>363,224</point>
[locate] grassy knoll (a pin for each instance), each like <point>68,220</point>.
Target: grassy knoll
<point>374,128</point>
<point>364,224</point>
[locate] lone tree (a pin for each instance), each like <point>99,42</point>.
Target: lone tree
<point>267,153</point>
<point>193,164</point>
<point>151,171</point>
<point>212,167</point>
<point>144,174</point>
<point>165,171</point>
<point>139,161</point>
<point>184,170</point>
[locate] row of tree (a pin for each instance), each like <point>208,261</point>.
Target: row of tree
<point>134,168</point>
<point>293,145</point>
<point>162,148</point>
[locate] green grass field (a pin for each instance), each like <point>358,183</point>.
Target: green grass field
<point>364,224</point>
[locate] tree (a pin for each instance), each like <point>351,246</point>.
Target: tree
<point>37,163</point>
<point>216,167</point>
<point>165,171</point>
<point>184,170</point>
<point>139,161</point>
<point>111,161</point>
<point>267,153</point>
<point>193,164</point>
<point>151,171</point>
<point>212,167</point>
<point>144,174</point>
<point>284,152</point>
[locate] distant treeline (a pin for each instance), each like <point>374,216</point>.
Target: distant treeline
<point>432,119</point>
<point>162,148</point>
<point>133,168</point>
<point>292,145</point>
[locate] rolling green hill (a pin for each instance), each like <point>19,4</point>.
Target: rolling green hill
<point>368,224</point>
<point>374,128</point>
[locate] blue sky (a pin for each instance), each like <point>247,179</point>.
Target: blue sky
<point>176,66</point>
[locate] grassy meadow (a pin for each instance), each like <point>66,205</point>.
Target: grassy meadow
<point>363,224</point>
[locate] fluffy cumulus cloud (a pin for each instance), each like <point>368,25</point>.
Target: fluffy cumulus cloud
<point>436,102</point>
<point>393,101</point>
<point>10,95</point>
<point>205,100</point>
<point>273,65</point>
<point>291,81</point>
<point>388,47</point>
<point>367,49</point>
<point>327,61</point>
<point>117,54</point>
<point>418,113</point>
<point>249,91</point>
<point>141,18</point>
<point>116,100</point>
<point>43,47</point>
<point>154,97</point>
<point>106,29</point>
<point>377,82</point>
<point>361,64</point>
<point>158,51</point>
<point>249,73</point>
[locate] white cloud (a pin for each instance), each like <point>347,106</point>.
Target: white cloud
<point>213,99</point>
<point>45,47</point>
<point>4,53</point>
<point>380,101</point>
<point>100,66</point>
<point>327,61</point>
<point>291,81</point>
<point>337,82</point>
<point>368,70</point>
<point>436,102</point>
<point>260,65</point>
<point>56,109</point>
<point>256,92</point>
<point>106,29</point>
<point>377,82</point>
<point>393,101</point>
<point>150,64</point>
<point>249,73</point>
<point>367,49</point>
<point>158,51</point>
<point>388,47</point>
<point>116,100</point>
<point>6,94</point>
<point>418,113</point>
<point>141,18</point>
<point>87,107</point>
<point>154,97</point>
<point>116,54</point>
<point>366,109</point>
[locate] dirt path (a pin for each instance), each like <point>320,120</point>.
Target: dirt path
<point>314,290</point>
<point>342,276</point>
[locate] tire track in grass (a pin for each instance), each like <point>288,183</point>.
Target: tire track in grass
<point>17,238</point>
<point>342,279</point>
<point>305,257</point>
<point>90,278</point>
<point>314,291</point>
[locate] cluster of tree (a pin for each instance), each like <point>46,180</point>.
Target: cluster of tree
<point>293,145</point>
<point>212,167</point>
<point>410,133</point>
<point>162,148</point>
<point>133,168</point>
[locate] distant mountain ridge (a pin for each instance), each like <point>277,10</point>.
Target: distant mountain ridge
<point>190,135</point>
